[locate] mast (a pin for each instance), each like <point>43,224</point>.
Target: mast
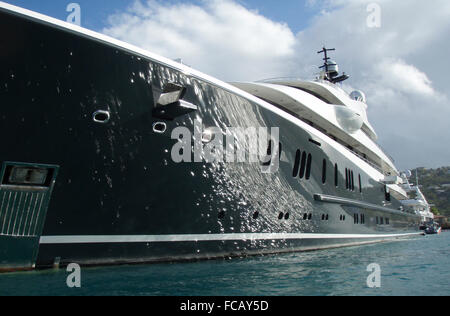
<point>331,68</point>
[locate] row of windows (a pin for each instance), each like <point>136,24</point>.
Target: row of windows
<point>282,215</point>
<point>357,218</point>
<point>302,165</point>
<point>382,221</point>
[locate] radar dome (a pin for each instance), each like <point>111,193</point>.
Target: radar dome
<point>333,68</point>
<point>358,96</point>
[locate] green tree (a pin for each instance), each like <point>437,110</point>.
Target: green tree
<point>435,211</point>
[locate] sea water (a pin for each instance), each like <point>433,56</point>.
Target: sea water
<point>418,266</point>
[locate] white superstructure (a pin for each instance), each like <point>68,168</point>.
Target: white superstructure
<point>341,116</point>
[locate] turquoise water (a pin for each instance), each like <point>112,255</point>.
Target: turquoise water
<point>419,266</point>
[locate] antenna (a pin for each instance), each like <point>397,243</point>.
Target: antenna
<point>326,59</point>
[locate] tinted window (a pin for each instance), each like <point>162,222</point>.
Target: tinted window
<point>303,166</point>
<point>324,171</point>
<point>296,164</point>
<point>308,167</point>
<point>336,175</point>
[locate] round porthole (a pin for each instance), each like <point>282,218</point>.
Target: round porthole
<point>280,216</point>
<point>101,117</point>
<point>286,217</point>
<point>159,127</point>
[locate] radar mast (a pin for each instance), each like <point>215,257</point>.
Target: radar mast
<point>331,69</point>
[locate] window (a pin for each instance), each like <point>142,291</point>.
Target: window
<point>352,182</point>
<point>315,142</point>
<point>336,175</point>
<point>303,166</point>
<point>308,167</point>
<point>296,163</point>
<point>360,186</point>
<point>387,193</point>
<point>324,171</point>
<point>346,178</point>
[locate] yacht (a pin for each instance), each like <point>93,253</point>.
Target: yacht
<point>98,167</point>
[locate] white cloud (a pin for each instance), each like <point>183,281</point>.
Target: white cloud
<point>406,78</point>
<point>221,38</point>
<point>401,66</point>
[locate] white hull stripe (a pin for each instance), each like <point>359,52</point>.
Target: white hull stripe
<point>205,237</point>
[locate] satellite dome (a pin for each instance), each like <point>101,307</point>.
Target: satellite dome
<point>358,96</point>
<point>333,68</point>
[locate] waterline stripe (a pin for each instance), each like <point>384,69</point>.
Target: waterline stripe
<point>205,237</point>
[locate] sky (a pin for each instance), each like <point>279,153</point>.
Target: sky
<point>395,51</point>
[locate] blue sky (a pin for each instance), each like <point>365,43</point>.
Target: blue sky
<point>296,13</point>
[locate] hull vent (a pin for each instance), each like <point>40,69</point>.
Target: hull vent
<point>25,194</point>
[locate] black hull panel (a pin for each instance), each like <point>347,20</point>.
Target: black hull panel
<point>117,178</point>
<point>93,254</point>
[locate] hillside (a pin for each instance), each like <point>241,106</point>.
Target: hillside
<point>435,185</point>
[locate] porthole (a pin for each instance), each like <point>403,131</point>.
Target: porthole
<point>286,216</point>
<point>256,215</point>
<point>101,117</point>
<point>281,215</point>
<point>159,127</point>
<point>305,217</point>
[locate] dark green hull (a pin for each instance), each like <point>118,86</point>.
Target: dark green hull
<point>118,179</point>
